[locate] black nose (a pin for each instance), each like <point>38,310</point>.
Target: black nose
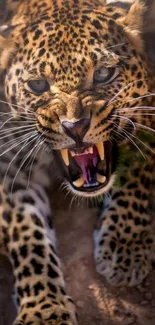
<point>76,130</point>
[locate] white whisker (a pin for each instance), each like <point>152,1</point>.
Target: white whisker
<point>9,130</point>
<point>131,140</point>
<point>140,114</point>
<point>15,145</point>
<point>143,143</point>
<point>116,45</point>
<point>127,119</point>
<point>36,150</point>
<point>140,97</point>
<point>26,157</point>
<point>138,108</point>
<point>14,140</point>
<point>134,135</point>
<point>112,100</point>
<point>9,119</point>
<point>8,103</point>
<point>21,115</point>
<point>16,132</point>
<point>145,127</point>
<point>23,146</point>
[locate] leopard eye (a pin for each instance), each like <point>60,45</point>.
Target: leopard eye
<point>105,75</point>
<point>38,86</point>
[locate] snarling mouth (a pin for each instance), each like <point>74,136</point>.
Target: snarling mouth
<point>90,167</point>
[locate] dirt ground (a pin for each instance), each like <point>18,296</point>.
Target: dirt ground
<point>97,303</point>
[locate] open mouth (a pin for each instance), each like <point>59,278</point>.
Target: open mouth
<point>90,167</point>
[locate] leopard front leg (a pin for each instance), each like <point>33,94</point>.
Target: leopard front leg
<point>29,240</point>
<point>124,241</point>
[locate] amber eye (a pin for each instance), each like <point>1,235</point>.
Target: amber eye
<point>105,75</point>
<point>38,86</point>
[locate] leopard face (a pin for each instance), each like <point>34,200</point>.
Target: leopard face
<point>79,71</point>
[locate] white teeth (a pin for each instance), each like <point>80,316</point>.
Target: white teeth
<point>100,178</point>
<point>79,182</point>
<point>73,154</point>
<point>64,154</point>
<point>100,149</point>
<point>88,150</point>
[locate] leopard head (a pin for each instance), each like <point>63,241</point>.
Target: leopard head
<point>79,68</point>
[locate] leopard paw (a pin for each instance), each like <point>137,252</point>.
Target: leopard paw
<point>47,313</point>
<point>122,261</point>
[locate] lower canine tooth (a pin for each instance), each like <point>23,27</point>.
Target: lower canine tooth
<point>100,149</point>
<point>79,182</point>
<point>64,154</point>
<point>90,150</point>
<point>100,178</point>
<point>73,154</point>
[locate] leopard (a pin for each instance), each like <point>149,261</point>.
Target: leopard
<point>78,104</point>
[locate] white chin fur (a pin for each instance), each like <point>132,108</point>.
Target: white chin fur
<point>93,193</point>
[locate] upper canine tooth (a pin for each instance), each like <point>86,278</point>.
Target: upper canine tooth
<point>100,149</point>
<point>100,178</point>
<point>79,182</point>
<point>65,157</point>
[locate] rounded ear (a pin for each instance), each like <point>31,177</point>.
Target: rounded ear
<point>133,23</point>
<point>7,45</point>
<point>9,33</point>
<point>139,24</point>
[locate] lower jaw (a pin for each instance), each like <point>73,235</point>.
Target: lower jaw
<point>93,192</point>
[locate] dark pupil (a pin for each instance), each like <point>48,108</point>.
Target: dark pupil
<point>109,74</point>
<point>38,85</point>
<point>106,72</point>
<point>106,76</point>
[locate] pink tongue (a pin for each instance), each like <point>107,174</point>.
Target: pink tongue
<point>86,163</point>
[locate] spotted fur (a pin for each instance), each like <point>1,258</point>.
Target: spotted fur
<point>64,42</point>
